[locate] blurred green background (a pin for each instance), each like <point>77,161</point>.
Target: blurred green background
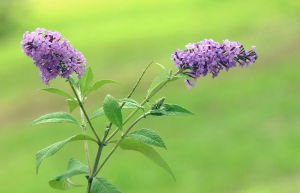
<point>245,136</point>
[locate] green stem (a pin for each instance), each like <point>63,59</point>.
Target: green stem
<point>85,144</point>
<point>120,140</point>
<point>90,181</point>
<point>85,113</point>
<point>139,80</point>
<point>86,147</point>
<point>97,159</point>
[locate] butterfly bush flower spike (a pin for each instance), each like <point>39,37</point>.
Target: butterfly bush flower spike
<point>209,57</point>
<point>52,54</point>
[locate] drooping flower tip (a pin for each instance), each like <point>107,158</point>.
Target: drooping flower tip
<point>52,54</point>
<point>209,57</point>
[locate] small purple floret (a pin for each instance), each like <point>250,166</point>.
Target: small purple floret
<point>52,54</point>
<point>209,57</point>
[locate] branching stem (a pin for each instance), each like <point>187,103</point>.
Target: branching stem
<point>101,143</point>
<point>120,140</point>
<point>144,102</point>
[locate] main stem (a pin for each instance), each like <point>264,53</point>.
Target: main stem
<point>97,159</point>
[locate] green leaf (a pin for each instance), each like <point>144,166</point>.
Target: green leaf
<point>146,150</point>
<point>97,113</point>
<point>58,91</point>
<point>130,103</point>
<point>98,85</point>
<point>184,76</point>
<point>63,181</point>
<point>86,80</point>
<point>57,117</point>
<point>158,104</point>
<point>101,185</point>
<point>112,111</point>
<point>170,110</point>
<point>52,149</point>
<point>72,104</point>
<point>157,82</point>
<point>147,136</point>
<point>100,111</point>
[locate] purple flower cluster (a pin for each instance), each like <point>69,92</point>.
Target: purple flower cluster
<point>208,56</point>
<point>52,54</point>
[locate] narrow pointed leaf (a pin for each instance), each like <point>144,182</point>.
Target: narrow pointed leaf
<point>157,82</point>
<point>147,136</point>
<point>57,117</point>
<point>72,104</point>
<point>146,150</point>
<point>99,84</point>
<point>170,110</point>
<point>130,103</point>
<point>86,80</point>
<point>158,104</point>
<point>100,111</point>
<point>97,113</point>
<point>58,91</point>
<point>101,185</point>
<point>112,111</point>
<point>52,149</point>
<point>63,181</point>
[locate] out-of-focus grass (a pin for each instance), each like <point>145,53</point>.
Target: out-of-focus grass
<point>245,135</point>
